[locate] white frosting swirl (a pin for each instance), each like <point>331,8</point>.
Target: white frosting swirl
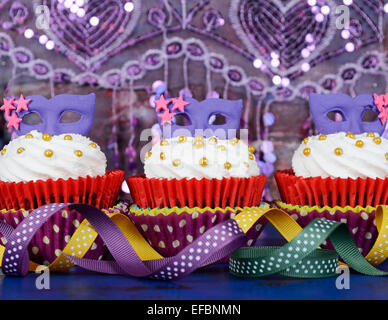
<point>31,158</point>
<point>188,157</point>
<point>342,155</point>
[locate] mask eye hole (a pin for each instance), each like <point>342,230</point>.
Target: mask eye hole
<point>182,119</point>
<point>32,118</point>
<point>336,116</point>
<point>217,119</point>
<point>69,116</point>
<point>369,115</point>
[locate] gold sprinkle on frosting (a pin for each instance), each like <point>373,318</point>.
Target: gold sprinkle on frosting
<point>198,138</point>
<point>370,135</point>
<point>386,156</point>
<point>20,150</point>
<point>338,151</point>
<point>78,153</point>
<point>198,144</point>
<point>93,145</point>
<point>203,162</point>
<point>162,156</point>
<point>251,156</point>
<point>176,162</point>
<point>28,136</point>
<point>351,135</point>
<point>48,153</point>
<point>164,142</point>
<point>213,140</point>
<point>306,151</point>
<point>377,140</point>
<point>246,164</point>
<point>68,137</point>
<point>305,140</point>
<point>322,137</point>
<point>46,137</point>
<point>227,165</point>
<point>3,151</point>
<point>148,155</point>
<point>251,149</point>
<point>234,141</point>
<point>359,143</point>
<point>182,139</point>
<point>222,148</point>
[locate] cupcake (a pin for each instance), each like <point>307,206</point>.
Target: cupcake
<point>196,178</point>
<point>52,161</point>
<point>342,173</point>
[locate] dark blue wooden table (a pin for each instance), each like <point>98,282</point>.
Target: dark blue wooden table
<point>211,283</point>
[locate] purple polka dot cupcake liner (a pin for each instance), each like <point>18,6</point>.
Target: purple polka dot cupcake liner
<point>360,221</point>
<point>170,230</point>
<point>52,238</point>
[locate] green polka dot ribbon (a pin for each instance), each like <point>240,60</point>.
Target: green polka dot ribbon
<point>301,257</point>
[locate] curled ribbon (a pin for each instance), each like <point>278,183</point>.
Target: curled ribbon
<point>134,256</point>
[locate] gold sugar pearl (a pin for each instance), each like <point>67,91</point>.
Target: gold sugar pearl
<point>176,162</point>
<point>386,156</point>
<point>182,139</point>
<point>20,150</point>
<point>370,134</point>
<point>227,165</point>
<point>251,156</point>
<point>198,144</point>
<point>251,149</point>
<point>246,164</point>
<point>162,156</point>
<point>46,137</point>
<point>234,141</point>
<point>377,140</point>
<point>213,140</point>
<point>322,137</point>
<point>164,142</point>
<point>306,151</point>
<point>203,162</point>
<point>148,155</point>
<point>68,137</point>
<point>222,148</point>
<point>338,151</point>
<point>198,138</point>
<point>28,136</point>
<point>351,135</point>
<point>305,140</point>
<point>359,143</point>
<point>48,153</point>
<point>3,151</point>
<point>93,145</point>
<point>78,153</point>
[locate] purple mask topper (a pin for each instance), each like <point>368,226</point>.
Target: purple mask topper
<point>64,113</point>
<point>339,112</point>
<point>214,116</point>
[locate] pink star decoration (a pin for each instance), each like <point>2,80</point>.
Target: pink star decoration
<point>7,106</point>
<point>166,116</point>
<point>161,104</point>
<point>382,102</point>
<point>179,104</point>
<point>22,104</point>
<point>13,121</point>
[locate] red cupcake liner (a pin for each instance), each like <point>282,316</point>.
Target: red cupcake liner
<point>360,221</point>
<point>101,191</point>
<point>317,191</point>
<point>226,192</point>
<point>171,233</point>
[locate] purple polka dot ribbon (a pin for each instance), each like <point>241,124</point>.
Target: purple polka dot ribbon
<point>215,244</point>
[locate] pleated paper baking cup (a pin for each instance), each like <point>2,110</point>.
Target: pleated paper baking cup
<point>317,191</point>
<point>226,192</point>
<point>170,230</point>
<point>53,236</point>
<point>360,221</point>
<point>101,191</point>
